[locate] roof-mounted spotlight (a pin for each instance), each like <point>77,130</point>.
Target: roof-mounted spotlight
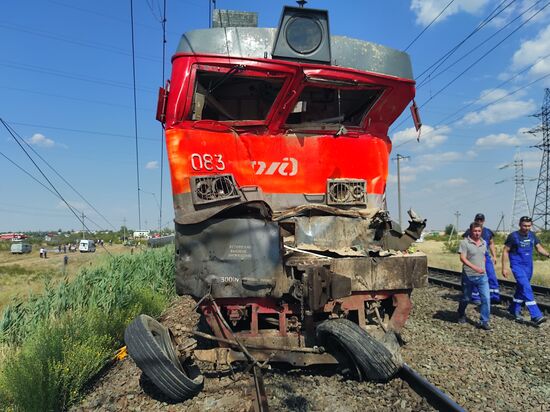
<point>303,35</point>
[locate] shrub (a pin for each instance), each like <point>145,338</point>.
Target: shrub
<point>450,229</point>
<point>59,340</point>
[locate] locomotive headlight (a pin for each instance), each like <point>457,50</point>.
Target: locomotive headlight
<point>346,192</point>
<point>213,188</point>
<point>303,35</point>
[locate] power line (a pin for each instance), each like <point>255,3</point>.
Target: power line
<point>432,77</point>
<point>483,23</point>
<point>483,56</point>
<point>135,110</point>
<point>428,26</point>
<point>83,131</point>
<point>162,124</point>
<point>63,38</point>
<point>476,61</point>
<point>68,75</point>
<point>13,132</point>
<point>440,126</point>
<point>71,208</point>
<point>66,182</point>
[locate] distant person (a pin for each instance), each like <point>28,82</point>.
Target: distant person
<point>64,248</point>
<point>473,251</point>
<point>45,253</point>
<point>518,248</point>
<point>41,252</point>
<point>110,242</point>
<point>490,261</point>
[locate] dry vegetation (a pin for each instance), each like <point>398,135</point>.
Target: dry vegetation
<point>22,275</point>
<point>439,257</point>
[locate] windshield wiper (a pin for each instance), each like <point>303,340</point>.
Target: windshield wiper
<point>230,73</point>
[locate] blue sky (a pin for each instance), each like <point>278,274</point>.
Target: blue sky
<point>66,87</point>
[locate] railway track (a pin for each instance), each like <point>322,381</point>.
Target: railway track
<point>451,279</point>
<point>419,384</point>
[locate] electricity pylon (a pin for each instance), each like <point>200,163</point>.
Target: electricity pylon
<point>521,204</point>
<point>541,212</point>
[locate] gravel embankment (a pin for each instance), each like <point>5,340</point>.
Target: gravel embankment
<point>506,369</point>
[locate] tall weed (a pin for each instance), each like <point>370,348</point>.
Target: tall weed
<point>57,341</point>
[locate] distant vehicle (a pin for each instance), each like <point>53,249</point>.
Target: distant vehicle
<point>142,234</point>
<point>20,247</point>
<point>86,246</point>
<point>12,236</point>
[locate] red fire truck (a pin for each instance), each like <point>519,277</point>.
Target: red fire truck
<point>278,147</point>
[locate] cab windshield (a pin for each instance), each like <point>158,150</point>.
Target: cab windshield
<point>338,106</point>
<point>233,95</point>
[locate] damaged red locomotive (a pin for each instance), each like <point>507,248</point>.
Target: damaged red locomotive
<point>278,147</point>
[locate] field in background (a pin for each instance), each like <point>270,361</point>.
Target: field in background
<point>21,275</point>
<point>439,257</point>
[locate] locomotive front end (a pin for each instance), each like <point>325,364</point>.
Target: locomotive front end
<point>278,149</point>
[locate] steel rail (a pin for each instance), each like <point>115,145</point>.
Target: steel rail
<point>260,397</point>
<point>433,395</point>
<point>542,293</point>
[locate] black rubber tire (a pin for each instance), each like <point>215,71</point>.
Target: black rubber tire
<point>371,357</point>
<point>151,347</point>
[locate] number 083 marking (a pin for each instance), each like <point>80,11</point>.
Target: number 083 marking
<point>207,161</point>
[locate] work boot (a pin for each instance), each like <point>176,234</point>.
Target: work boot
<point>539,321</point>
<point>461,319</point>
<point>484,326</point>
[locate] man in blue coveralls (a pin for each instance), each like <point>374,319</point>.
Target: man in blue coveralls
<point>490,261</point>
<point>519,248</point>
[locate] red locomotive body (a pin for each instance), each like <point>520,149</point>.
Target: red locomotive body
<point>278,149</point>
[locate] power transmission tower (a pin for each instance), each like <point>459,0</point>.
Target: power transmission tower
<point>541,212</point>
<point>521,204</point>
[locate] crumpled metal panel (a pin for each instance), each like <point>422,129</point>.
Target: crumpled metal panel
<point>405,271</point>
<point>345,236</point>
<point>230,258</point>
<point>258,43</point>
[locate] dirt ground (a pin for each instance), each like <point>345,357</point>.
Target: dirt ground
<point>26,273</point>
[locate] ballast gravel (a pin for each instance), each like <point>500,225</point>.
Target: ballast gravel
<point>505,369</point>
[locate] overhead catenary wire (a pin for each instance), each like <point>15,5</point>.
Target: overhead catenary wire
<point>71,208</point>
<point>66,182</point>
<point>428,26</point>
<point>135,111</point>
<point>439,125</point>
<point>448,84</point>
<point>484,55</point>
<point>432,76</point>
<point>492,15</point>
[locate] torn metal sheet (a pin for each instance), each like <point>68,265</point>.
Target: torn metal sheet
<point>342,235</point>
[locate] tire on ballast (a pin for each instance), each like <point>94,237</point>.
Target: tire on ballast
<point>151,347</point>
<point>366,353</point>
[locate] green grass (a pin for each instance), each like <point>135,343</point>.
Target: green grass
<point>55,342</point>
<point>15,270</point>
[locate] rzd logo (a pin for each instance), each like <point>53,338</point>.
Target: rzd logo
<point>288,167</point>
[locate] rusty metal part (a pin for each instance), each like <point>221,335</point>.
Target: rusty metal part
<point>380,321</point>
<point>260,397</point>
<point>227,356</point>
<point>252,346</point>
<point>241,346</point>
<point>403,306</point>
